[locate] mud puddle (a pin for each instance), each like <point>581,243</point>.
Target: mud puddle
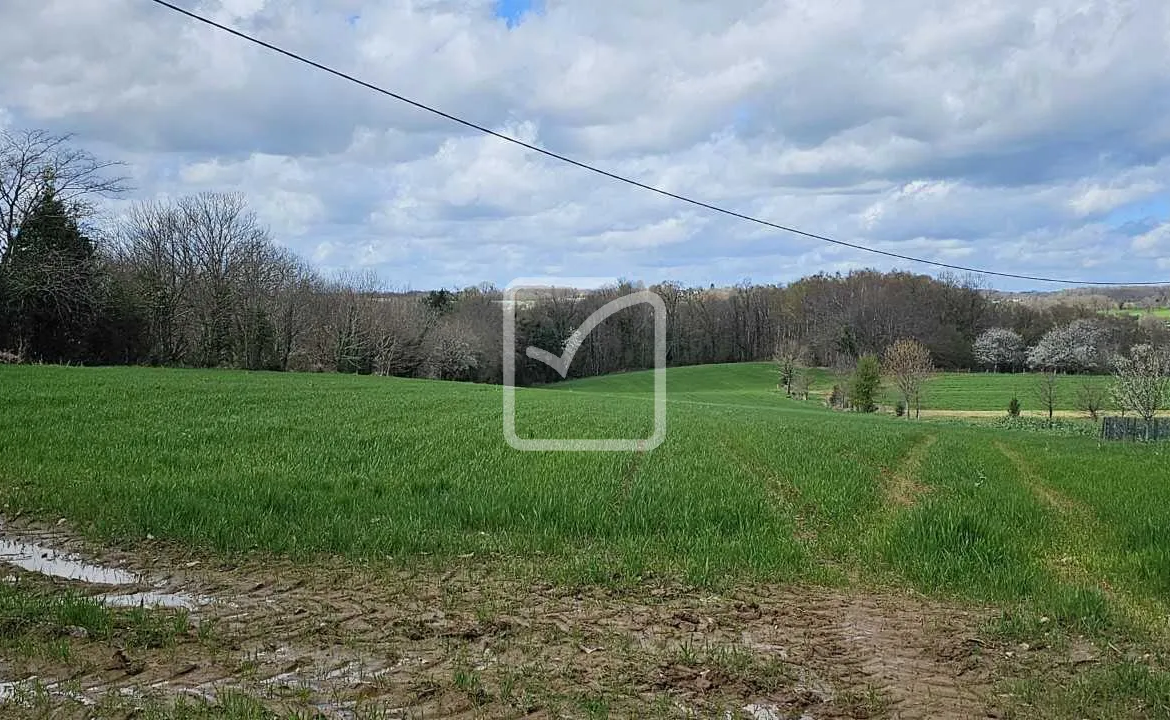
<point>47,561</point>
<point>50,562</point>
<point>10,691</point>
<point>182,601</point>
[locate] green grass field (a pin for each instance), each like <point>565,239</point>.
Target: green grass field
<point>748,486</point>
<point>373,466</point>
<point>989,391</point>
<point>1156,312</point>
<point>756,384</point>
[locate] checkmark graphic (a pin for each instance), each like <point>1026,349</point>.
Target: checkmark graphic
<point>561,362</point>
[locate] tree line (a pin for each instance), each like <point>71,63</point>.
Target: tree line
<point>198,281</point>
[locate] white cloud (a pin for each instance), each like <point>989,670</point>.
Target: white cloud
<point>1096,199</point>
<point>1155,243</point>
<point>997,134</point>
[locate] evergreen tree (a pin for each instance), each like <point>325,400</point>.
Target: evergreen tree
<point>864,385</point>
<point>8,328</point>
<point>50,281</point>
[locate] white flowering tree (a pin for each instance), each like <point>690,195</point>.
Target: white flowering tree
<point>1076,347</point>
<point>999,348</point>
<point>1141,382</point>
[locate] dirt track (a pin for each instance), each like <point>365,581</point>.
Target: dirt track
<point>338,639</point>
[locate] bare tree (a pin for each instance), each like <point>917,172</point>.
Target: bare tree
<point>841,373</point>
<point>226,240</point>
<point>152,245</point>
<point>1156,330</point>
<point>259,280</point>
<point>1045,390</point>
<point>789,357</point>
<point>401,327</point>
<point>292,315</point>
<point>1142,382</point>
<point>750,323</point>
<point>347,336</point>
<point>451,352</point>
<point>479,306</point>
<point>214,289</point>
<point>801,383</point>
<point>908,362</point>
<point>1091,397</point>
<point>671,293</point>
<point>34,161</point>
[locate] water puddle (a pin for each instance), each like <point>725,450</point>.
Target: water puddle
<point>183,601</point>
<point>10,691</point>
<point>46,561</point>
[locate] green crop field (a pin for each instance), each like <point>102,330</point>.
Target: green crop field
<point>756,383</point>
<point>1065,534</point>
<point>990,391</point>
<point>1160,312</point>
<point>363,465</point>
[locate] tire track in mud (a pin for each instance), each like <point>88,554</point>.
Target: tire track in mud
<point>335,637</point>
<point>943,678</point>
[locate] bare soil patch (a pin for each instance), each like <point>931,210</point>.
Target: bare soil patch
<point>480,640</point>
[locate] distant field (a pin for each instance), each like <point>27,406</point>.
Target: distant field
<point>1156,312</point>
<point>989,391</point>
<point>756,383</point>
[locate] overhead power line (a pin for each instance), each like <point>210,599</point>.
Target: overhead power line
<point>622,178</point>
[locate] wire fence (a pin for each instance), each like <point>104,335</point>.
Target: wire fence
<point>1135,428</point>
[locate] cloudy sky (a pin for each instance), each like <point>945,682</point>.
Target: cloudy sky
<point>1016,135</point>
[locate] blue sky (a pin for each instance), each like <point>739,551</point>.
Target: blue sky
<point>1027,137</point>
<point>512,11</point>
<point>1153,211</point>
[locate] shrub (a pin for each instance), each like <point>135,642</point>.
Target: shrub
<point>900,408</point>
<point>1014,408</point>
<point>1075,428</point>
<point>864,385</point>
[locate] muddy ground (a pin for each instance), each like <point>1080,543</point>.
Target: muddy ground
<point>334,639</point>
